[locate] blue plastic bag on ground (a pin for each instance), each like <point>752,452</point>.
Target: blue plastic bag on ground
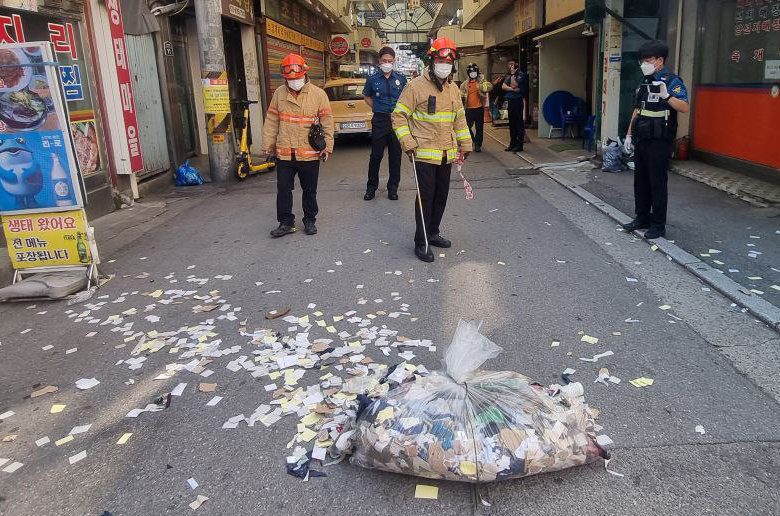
<point>187,176</point>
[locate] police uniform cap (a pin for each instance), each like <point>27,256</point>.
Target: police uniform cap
<point>654,48</point>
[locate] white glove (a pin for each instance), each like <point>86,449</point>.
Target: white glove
<point>628,144</point>
<point>664,91</point>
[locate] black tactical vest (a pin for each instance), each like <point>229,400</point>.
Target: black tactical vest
<point>656,119</point>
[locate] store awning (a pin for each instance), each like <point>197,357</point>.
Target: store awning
<point>572,31</point>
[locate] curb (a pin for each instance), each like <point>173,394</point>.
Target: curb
<point>760,308</point>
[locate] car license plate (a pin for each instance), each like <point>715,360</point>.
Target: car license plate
<point>353,125</point>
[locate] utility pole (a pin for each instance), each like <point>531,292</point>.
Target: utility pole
<point>612,41</point>
<point>208,16</point>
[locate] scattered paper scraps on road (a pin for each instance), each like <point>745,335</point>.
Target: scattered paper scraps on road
<point>11,467</point>
<point>79,456</point>
<point>589,339</point>
<point>43,441</point>
<point>426,492</point>
<point>57,408</point>
<point>86,383</point>
<point>192,483</point>
<point>699,429</point>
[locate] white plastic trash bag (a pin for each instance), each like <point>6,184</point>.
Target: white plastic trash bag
<point>473,425</point>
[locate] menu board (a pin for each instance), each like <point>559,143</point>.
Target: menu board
<point>751,31</point>
<point>38,171</point>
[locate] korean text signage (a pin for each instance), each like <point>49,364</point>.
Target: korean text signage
<point>298,15</point>
<point>73,70</point>
<point>216,104</point>
<point>558,9</point>
<point>38,169</point>
<point>527,16</point>
<point>125,86</point>
<point>47,239</point>
<point>240,10</point>
<point>752,42</point>
<point>339,46</point>
<point>279,31</point>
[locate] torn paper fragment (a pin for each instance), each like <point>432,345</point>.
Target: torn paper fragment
<point>79,456</point>
<point>179,389</point>
<point>426,492</point>
<point>198,501</point>
<point>589,339</point>
<point>42,441</point>
<point>80,429</point>
<point>86,383</point>
<point>192,483</point>
<point>213,401</point>
<point>56,408</point>
<point>12,467</point>
<point>45,390</point>
<point>699,429</point>
<point>603,440</point>
<point>124,438</point>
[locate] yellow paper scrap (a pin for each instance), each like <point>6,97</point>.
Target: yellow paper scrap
<point>317,314</point>
<point>68,438</point>
<point>303,320</point>
<point>641,382</point>
<point>157,293</point>
<point>468,468</point>
<point>385,413</point>
<point>589,339</point>
<point>152,333</point>
<point>410,367</point>
<point>654,247</point>
<point>273,375</point>
<point>331,329</point>
<point>337,318</point>
<point>326,376</point>
<point>124,438</point>
<point>56,408</point>
<point>203,338</point>
<point>173,350</point>
<point>128,339</point>
<point>664,307</point>
<point>355,344</point>
<point>321,323</point>
<point>308,434</point>
<point>426,492</point>
<point>310,419</point>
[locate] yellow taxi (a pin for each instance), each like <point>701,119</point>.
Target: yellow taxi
<point>351,114</point>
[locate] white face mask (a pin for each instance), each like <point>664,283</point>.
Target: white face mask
<point>647,68</point>
<point>386,67</point>
<point>296,84</point>
<point>442,70</point>
<point>473,75</point>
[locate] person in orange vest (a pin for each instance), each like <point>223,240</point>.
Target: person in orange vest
<point>474,91</point>
<point>430,123</point>
<point>290,133</point>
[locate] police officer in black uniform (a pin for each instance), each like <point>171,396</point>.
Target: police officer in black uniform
<point>381,92</point>
<point>653,127</point>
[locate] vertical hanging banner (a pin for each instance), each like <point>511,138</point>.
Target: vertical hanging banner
<point>38,170</point>
<point>125,86</point>
<point>216,104</point>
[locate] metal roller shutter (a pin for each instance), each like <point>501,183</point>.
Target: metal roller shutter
<point>277,49</point>
<point>316,62</point>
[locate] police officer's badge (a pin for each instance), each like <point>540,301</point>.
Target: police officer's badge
<point>677,89</point>
<point>397,82</point>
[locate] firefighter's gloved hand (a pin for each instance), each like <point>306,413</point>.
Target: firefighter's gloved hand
<point>663,91</point>
<point>628,144</point>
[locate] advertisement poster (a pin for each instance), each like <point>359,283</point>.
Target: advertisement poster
<point>125,85</point>
<point>38,171</point>
<point>85,143</point>
<point>47,239</point>
<point>216,104</point>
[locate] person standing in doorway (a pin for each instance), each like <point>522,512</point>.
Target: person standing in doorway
<point>516,87</point>
<point>430,122</point>
<point>659,98</point>
<point>295,107</point>
<point>474,90</point>
<point>381,92</point>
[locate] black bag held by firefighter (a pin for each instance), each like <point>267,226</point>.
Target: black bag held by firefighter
<point>317,136</point>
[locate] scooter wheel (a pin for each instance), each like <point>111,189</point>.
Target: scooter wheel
<point>242,170</point>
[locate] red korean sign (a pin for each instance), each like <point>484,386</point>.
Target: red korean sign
<point>125,86</point>
<point>365,42</point>
<point>339,46</point>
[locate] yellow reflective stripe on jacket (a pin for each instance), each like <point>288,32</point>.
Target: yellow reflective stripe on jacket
<point>400,108</point>
<point>461,111</point>
<point>463,134</point>
<point>435,153</point>
<point>439,116</point>
<point>402,131</point>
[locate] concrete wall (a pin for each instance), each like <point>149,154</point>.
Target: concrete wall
<point>197,86</point>
<point>461,37</point>
<point>252,84</point>
<point>562,66</point>
<point>687,60</point>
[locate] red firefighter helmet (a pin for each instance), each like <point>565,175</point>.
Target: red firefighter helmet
<point>294,66</point>
<point>443,47</point>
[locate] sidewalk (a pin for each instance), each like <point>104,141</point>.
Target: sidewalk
<point>738,235</point>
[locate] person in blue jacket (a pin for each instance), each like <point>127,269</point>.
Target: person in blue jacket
<point>381,92</point>
<point>651,134</point>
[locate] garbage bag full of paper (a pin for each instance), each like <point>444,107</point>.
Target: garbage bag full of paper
<point>472,425</point>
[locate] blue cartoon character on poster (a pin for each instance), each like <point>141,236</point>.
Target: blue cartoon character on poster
<point>34,172</point>
<point>20,174</point>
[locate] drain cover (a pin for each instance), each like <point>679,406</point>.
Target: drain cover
<point>522,171</point>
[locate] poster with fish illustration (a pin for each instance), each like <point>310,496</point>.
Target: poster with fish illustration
<point>38,170</point>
